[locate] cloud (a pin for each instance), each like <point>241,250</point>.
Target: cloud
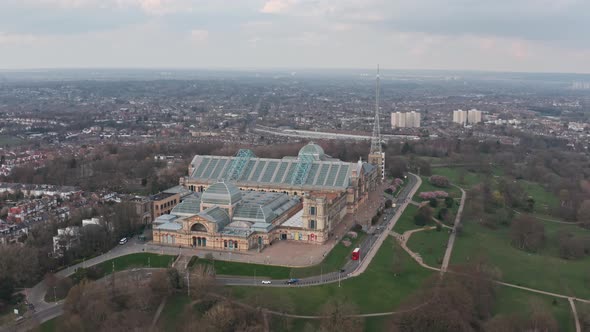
<point>17,39</point>
<point>276,6</point>
<point>199,36</point>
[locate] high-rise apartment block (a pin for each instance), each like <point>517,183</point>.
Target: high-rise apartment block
<point>405,120</point>
<point>472,116</point>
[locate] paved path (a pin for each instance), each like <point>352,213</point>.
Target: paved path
<point>449,251</point>
<point>550,220</point>
<point>576,319</point>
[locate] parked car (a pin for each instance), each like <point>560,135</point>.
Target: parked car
<point>292,281</point>
<point>123,240</point>
<point>266,282</point>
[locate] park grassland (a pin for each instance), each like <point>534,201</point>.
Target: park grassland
<point>376,290</point>
<point>333,262</point>
<point>430,244</point>
<point>516,301</point>
<point>542,270</point>
<point>138,260</point>
<point>406,220</point>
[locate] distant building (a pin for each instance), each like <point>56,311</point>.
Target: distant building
<point>65,239</point>
<point>405,120</point>
<point>472,116</point>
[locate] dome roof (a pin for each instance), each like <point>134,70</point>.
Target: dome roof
<point>312,149</point>
<point>221,193</point>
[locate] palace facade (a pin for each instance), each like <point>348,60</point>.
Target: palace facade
<point>245,202</point>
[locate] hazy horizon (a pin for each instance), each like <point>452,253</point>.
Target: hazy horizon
<point>536,36</point>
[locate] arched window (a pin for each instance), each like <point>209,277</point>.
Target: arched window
<point>225,243</point>
<point>199,241</point>
<point>198,227</point>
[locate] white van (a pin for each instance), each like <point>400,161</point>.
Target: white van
<point>123,240</point>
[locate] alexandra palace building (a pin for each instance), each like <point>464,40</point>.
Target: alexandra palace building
<point>245,202</point>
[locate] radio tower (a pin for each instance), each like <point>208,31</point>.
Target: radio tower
<point>377,156</point>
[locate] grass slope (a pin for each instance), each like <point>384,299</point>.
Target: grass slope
<point>431,245</point>
<point>516,301</point>
<point>375,290</point>
<point>406,220</point>
<point>136,260</point>
<point>542,270</point>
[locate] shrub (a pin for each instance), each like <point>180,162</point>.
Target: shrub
<point>449,202</point>
<point>433,202</point>
<point>433,194</point>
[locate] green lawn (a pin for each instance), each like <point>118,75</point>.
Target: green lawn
<point>431,245</point>
<point>460,176</point>
<point>334,261</point>
<point>543,270</point>
<point>515,301</point>
<point>545,201</point>
<point>250,270</point>
<point>49,326</point>
<point>406,220</point>
<point>375,290</point>
<point>173,310</point>
<point>136,260</point>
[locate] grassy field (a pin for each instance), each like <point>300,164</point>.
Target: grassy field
<point>9,140</point>
<point>136,260</point>
<point>542,270</point>
<point>333,262</point>
<point>545,201</point>
<point>516,301</point>
<point>459,176</point>
<point>431,245</point>
<point>175,305</point>
<point>375,290</point>
<point>406,220</point>
<point>49,326</point>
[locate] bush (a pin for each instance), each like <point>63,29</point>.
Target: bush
<point>433,202</point>
<point>438,227</point>
<point>356,228</point>
<point>423,216</point>
<point>439,181</point>
<point>449,202</point>
<point>176,281</point>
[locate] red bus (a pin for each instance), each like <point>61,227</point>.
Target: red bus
<point>356,254</point>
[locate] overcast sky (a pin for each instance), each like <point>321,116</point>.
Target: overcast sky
<point>504,35</point>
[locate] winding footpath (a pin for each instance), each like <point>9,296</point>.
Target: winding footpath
<point>403,240</point>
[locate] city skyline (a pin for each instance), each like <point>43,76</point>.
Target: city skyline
<point>499,36</point>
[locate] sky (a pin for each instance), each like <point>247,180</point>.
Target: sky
<point>492,35</point>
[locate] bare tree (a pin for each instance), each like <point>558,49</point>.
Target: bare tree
<point>338,316</point>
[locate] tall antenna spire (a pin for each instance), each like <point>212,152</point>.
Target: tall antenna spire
<point>376,139</point>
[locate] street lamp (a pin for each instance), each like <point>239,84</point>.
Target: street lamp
<point>54,295</point>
